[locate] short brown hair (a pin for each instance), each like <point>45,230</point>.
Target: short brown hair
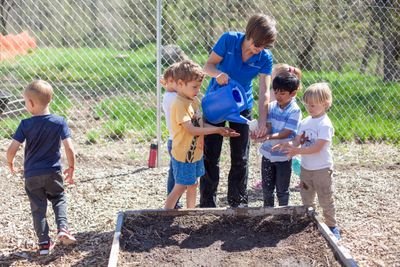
<point>188,71</point>
<point>169,72</point>
<point>40,91</point>
<point>261,28</point>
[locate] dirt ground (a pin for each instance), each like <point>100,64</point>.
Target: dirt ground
<point>113,177</point>
<point>211,240</point>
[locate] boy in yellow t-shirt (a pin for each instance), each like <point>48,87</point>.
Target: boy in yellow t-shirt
<point>188,134</point>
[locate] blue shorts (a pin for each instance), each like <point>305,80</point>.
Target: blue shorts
<point>187,173</point>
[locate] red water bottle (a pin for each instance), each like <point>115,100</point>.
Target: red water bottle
<point>152,156</point>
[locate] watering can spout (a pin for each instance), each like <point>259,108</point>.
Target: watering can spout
<point>237,119</point>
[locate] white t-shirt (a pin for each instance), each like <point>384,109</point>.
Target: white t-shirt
<point>168,99</point>
<point>314,129</point>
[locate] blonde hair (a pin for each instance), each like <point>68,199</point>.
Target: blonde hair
<point>188,71</point>
<point>318,93</point>
<point>169,72</point>
<point>40,91</point>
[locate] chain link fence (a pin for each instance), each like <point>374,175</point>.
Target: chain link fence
<point>101,58</point>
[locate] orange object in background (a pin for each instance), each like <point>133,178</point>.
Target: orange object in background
<point>12,45</point>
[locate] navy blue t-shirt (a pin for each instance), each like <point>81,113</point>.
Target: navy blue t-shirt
<point>43,135</point>
<point>229,47</point>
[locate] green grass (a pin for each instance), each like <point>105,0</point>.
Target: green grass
<point>365,108</point>
<point>8,126</point>
<point>123,114</point>
<point>87,67</point>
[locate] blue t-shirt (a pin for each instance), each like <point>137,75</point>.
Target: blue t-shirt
<point>43,135</point>
<point>287,118</point>
<point>229,47</point>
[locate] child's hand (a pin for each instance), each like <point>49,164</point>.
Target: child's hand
<point>262,129</point>
<point>290,151</point>
<point>282,147</point>
<point>163,82</point>
<point>11,167</point>
<point>69,175</point>
<point>226,131</point>
<point>259,139</point>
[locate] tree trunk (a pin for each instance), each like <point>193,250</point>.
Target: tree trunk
<point>208,26</point>
<point>3,21</point>
<point>305,57</point>
<point>389,41</point>
<point>368,50</point>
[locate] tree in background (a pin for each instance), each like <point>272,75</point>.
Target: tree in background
<point>390,36</point>
<point>305,57</point>
<point>384,25</point>
<point>5,7</point>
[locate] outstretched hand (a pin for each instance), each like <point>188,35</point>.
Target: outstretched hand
<point>286,148</point>
<point>228,132</point>
<point>258,139</point>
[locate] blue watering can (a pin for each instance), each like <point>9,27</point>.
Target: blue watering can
<point>224,103</point>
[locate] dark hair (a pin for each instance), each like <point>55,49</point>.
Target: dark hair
<point>261,28</point>
<point>286,82</point>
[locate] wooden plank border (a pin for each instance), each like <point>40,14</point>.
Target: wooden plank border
<point>240,212</point>
<point>341,251</point>
<point>113,259</point>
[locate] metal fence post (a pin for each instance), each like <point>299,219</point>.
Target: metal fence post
<point>159,33</point>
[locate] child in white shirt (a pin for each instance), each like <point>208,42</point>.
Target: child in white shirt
<point>315,138</point>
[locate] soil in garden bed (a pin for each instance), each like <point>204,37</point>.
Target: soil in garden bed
<point>213,240</point>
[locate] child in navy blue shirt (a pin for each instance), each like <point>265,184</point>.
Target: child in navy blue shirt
<point>44,133</point>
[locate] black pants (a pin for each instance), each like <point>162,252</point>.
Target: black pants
<point>275,175</point>
<point>40,189</point>
<point>238,174</point>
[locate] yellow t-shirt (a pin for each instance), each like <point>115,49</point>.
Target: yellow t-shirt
<point>186,147</point>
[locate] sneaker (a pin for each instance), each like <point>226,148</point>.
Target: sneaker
<point>65,237</point>
<point>257,185</point>
<point>46,247</point>
<point>335,231</point>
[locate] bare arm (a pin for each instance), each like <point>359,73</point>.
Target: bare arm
<point>285,133</point>
<point>211,69</point>
<point>208,129</point>
<point>291,144</point>
<point>263,100</point>
<point>70,153</point>
<point>293,151</point>
<point>11,152</point>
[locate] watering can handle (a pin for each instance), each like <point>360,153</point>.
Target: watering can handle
<point>216,85</point>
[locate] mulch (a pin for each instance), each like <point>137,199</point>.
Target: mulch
<point>111,177</point>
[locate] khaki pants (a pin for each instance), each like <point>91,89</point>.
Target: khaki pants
<point>319,182</point>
